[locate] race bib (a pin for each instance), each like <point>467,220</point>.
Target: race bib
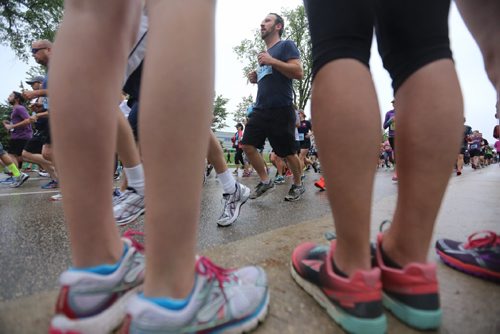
<point>262,71</point>
<point>301,137</point>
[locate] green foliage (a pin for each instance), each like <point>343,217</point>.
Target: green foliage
<point>23,21</point>
<point>241,109</point>
<point>5,111</point>
<point>220,113</point>
<point>296,29</point>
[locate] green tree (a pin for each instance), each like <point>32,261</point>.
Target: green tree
<point>23,21</point>
<point>296,29</point>
<point>241,109</point>
<point>220,113</point>
<point>5,110</point>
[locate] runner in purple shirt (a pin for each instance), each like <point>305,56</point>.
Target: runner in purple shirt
<point>19,125</point>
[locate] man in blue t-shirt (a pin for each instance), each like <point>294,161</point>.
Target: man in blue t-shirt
<point>273,115</point>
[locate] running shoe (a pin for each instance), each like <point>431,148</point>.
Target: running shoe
<point>410,293</point>
<point>395,177</point>
<point>261,189</point>
<point>117,194</point>
<point>53,184</point>
<point>130,207</point>
<point>295,193</point>
<point>354,303</point>
<point>94,300</point>
<point>479,256</point>
<point>232,204</point>
<point>222,301</point>
<point>18,181</point>
<point>43,173</point>
<point>8,180</point>
<point>315,166</point>
<point>320,184</point>
<point>56,197</point>
<point>280,179</point>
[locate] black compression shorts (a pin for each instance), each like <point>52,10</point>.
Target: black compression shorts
<point>410,34</point>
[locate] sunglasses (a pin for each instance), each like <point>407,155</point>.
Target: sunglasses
<point>35,50</point>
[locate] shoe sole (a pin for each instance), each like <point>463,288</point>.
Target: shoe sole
<point>103,323</point>
<point>236,213</point>
<point>346,321</point>
<point>467,268</point>
<point>131,218</point>
<point>419,319</point>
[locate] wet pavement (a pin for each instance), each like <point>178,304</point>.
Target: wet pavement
<point>34,250</point>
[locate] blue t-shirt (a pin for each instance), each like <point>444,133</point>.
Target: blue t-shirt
<point>275,90</point>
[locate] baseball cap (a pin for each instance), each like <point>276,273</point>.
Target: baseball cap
<point>37,78</point>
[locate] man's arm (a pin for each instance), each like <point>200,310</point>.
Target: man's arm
<point>292,68</point>
<point>32,94</point>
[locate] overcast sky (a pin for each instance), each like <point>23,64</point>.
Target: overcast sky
<point>236,20</point>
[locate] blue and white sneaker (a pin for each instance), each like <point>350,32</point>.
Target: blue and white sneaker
<point>232,204</point>
<point>8,180</point>
<point>94,300</point>
<point>222,301</point>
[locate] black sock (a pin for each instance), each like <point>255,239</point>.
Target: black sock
<point>337,271</point>
<point>388,261</point>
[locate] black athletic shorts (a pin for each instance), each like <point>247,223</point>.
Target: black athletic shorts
<point>474,153</point>
<point>16,146</point>
<point>35,144</point>
<point>410,34</point>
<point>133,120</point>
<point>305,144</point>
<point>278,125</point>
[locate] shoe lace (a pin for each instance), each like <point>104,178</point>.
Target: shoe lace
<point>204,266</point>
<point>481,239</point>
<point>130,235</point>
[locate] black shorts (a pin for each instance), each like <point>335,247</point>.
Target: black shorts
<point>34,145</point>
<point>305,144</point>
<point>474,153</point>
<point>16,146</point>
<point>463,149</point>
<point>133,120</point>
<point>278,125</point>
<point>393,143</point>
<point>410,34</point>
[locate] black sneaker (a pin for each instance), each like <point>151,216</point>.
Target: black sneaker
<point>295,193</point>
<point>18,181</point>
<point>261,189</point>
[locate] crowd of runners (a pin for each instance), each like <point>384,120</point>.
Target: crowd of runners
<point>168,288</point>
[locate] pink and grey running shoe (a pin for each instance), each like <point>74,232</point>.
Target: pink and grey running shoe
<point>479,256</point>
<point>354,303</point>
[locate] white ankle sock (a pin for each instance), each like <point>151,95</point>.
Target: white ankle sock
<point>228,182</point>
<point>135,178</point>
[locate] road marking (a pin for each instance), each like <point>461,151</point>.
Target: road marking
<point>30,193</point>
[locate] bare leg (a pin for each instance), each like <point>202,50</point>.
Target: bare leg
<point>87,127</point>
<point>257,162</point>
<point>39,160</point>
<point>339,112</point>
<point>433,93</point>
<point>172,216</point>
<point>215,154</point>
<point>295,166</point>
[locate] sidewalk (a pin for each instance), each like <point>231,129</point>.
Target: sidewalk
<point>470,305</point>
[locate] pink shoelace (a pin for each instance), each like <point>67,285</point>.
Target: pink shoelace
<point>482,239</point>
<point>130,235</point>
<point>204,266</point>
